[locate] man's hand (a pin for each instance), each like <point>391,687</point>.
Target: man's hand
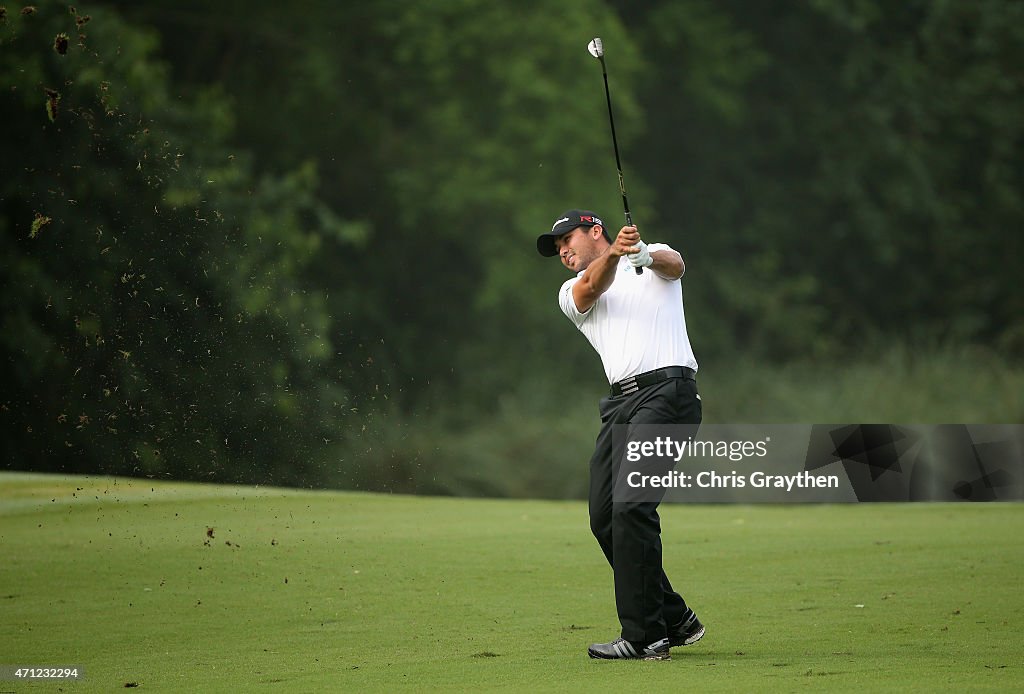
<point>642,258</point>
<point>625,242</point>
<point>628,243</point>
<point>666,263</point>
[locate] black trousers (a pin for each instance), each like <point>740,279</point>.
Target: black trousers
<point>630,532</point>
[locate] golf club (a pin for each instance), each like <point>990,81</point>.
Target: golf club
<point>596,48</point>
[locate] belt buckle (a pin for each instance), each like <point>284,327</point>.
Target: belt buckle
<point>628,386</point>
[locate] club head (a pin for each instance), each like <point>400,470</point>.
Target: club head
<point>596,48</point>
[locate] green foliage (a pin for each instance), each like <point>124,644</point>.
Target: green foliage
<point>893,384</point>
<point>251,243</point>
<point>456,131</point>
<point>156,320</point>
<point>849,176</point>
<point>534,441</point>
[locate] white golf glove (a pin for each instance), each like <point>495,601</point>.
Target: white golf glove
<point>641,258</point>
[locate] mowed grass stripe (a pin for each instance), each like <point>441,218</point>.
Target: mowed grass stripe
<point>334,591</point>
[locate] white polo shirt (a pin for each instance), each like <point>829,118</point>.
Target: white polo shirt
<point>637,325</point>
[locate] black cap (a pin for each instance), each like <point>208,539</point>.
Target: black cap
<point>564,224</point>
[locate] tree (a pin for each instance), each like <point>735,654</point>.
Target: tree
<point>155,316</point>
<point>845,171</point>
<point>455,132</point>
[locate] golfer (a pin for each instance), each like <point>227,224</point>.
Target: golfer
<point>637,325</point>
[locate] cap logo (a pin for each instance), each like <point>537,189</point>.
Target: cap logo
<point>559,221</point>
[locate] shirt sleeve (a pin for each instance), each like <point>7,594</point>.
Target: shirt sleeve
<point>568,304</point>
<point>652,247</point>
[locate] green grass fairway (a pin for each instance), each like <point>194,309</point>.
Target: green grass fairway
<point>322,591</point>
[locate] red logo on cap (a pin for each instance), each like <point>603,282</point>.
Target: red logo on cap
<point>586,219</point>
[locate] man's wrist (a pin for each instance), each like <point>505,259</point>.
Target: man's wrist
<point>642,257</point>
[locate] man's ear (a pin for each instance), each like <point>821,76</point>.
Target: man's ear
<point>599,231</point>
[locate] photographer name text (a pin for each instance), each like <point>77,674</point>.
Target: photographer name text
<point>710,479</point>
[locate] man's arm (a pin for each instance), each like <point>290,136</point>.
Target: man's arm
<point>599,276</point>
<point>668,264</point>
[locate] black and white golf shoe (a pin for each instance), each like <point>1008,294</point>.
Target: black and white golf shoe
<point>688,631</point>
<point>621,649</point>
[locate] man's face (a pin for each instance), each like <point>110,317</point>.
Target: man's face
<point>580,247</point>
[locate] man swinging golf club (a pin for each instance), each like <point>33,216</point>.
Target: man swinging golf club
<point>637,325</point>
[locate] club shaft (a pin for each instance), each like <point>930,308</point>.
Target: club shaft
<point>615,143</point>
<point>615,146</point>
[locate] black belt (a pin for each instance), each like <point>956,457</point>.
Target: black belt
<point>628,386</point>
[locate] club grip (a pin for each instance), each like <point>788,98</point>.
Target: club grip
<point>629,217</point>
